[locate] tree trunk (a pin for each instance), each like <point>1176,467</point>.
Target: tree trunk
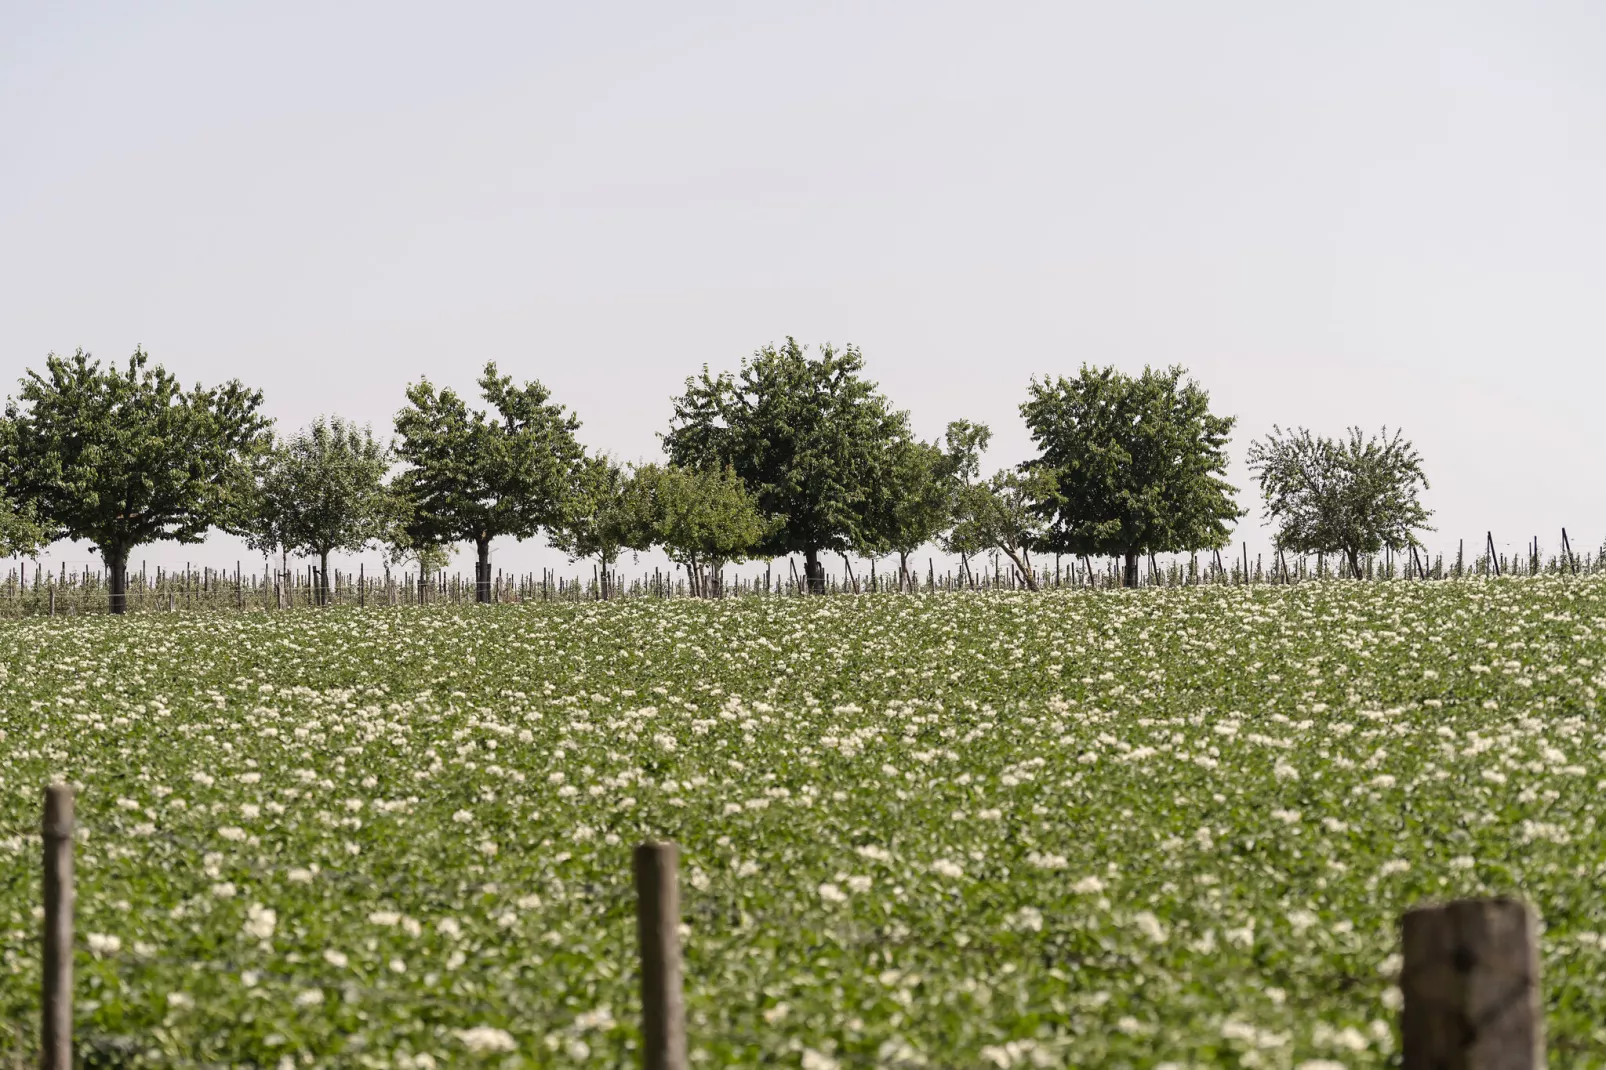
<point>423,574</point>
<point>1354,563</point>
<point>323,578</point>
<point>117,565</point>
<point>482,571</point>
<point>904,582</point>
<point>1129,573</point>
<point>813,571</point>
<point>1023,568</point>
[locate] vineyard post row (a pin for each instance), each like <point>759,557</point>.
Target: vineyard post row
<point>1470,973</point>
<point>85,591</point>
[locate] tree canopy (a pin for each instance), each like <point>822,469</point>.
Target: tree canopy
<point>703,518</point>
<point>605,514</point>
<point>124,457</point>
<point>323,490</point>
<point>809,437</point>
<point>473,476</point>
<point>1135,464</point>
<point>1352,495</point>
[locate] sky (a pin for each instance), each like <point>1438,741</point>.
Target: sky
<point>1364,213</point>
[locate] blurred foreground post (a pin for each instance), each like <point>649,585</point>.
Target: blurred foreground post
<point>1471,985</point>
<point>56,1025</point>
<point>663,1015</point>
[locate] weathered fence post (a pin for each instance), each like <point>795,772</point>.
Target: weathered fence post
<point>56,1022</point>
<point>1471,985</point>
<point>663,1015</point>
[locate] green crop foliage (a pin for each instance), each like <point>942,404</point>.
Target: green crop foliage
<point>1155,828</point>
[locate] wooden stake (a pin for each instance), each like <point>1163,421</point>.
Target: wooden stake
<point>56,1024</point>
<point>1471,987</point>
<point>663,1015</point>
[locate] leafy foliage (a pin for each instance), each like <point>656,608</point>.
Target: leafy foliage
<point>323,490</point>
<point>1002,514</point>
<point>809,436</point>
<point>1352,495</point>
<point>1137,464</point>
<point>124,458</point>
<point>703,518</point>
<point>475,477</point>
<point>604,514</point>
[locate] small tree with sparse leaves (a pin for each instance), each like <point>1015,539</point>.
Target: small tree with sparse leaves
<point>1352,496</point>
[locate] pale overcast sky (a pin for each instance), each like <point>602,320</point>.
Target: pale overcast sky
<point>1359,212</point>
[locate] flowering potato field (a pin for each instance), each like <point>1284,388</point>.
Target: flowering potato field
<point>1163,828</point>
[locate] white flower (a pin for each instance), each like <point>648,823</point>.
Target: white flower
<point>1026,919</point>
<point>1149,926</point>
<point>859,885</point>
<point>944,868</point>
<point>1045,861</point>
<point>179,1000</point>
<point>462,817</point>
<point>816,1060</point>
<point>384,917</point>
<point>260,921</point>
<point>1393,866</point>
<point>337,959</point>
<point>312,997</point>
<point>600,1018</point>
<point>229,832</point>
<point>1088,886</point>
<point>484,1039</point>
<point>1300,920</point>
<point>830,893</point>
<point>225,890</point>
<point>101,944</point>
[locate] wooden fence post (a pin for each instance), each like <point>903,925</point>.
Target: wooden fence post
<point>1471,985</point>
<point>663,1014</point>
<point>56,1003</point>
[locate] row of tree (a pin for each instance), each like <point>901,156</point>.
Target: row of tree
<point>794,453</point>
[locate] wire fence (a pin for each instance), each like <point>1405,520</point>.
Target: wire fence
<point>38,591</point>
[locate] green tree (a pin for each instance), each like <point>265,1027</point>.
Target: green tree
<point>916,503</point>
<point>121,458</point>
<point>20,532</point>
<point>474,477</point>
<point>1002,514</point>
<point>408,541</point>
<point>323,490</point>
<point>920,501</point>
<point>603,516</point>
<point>1352,495</point>
<point>809,437</point>
<point>1136,464</point>
<point>703,518</point>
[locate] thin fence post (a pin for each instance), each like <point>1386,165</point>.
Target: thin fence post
<point>663,1014</point>
<point>1470,979</point>
<point>56,1002</point>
